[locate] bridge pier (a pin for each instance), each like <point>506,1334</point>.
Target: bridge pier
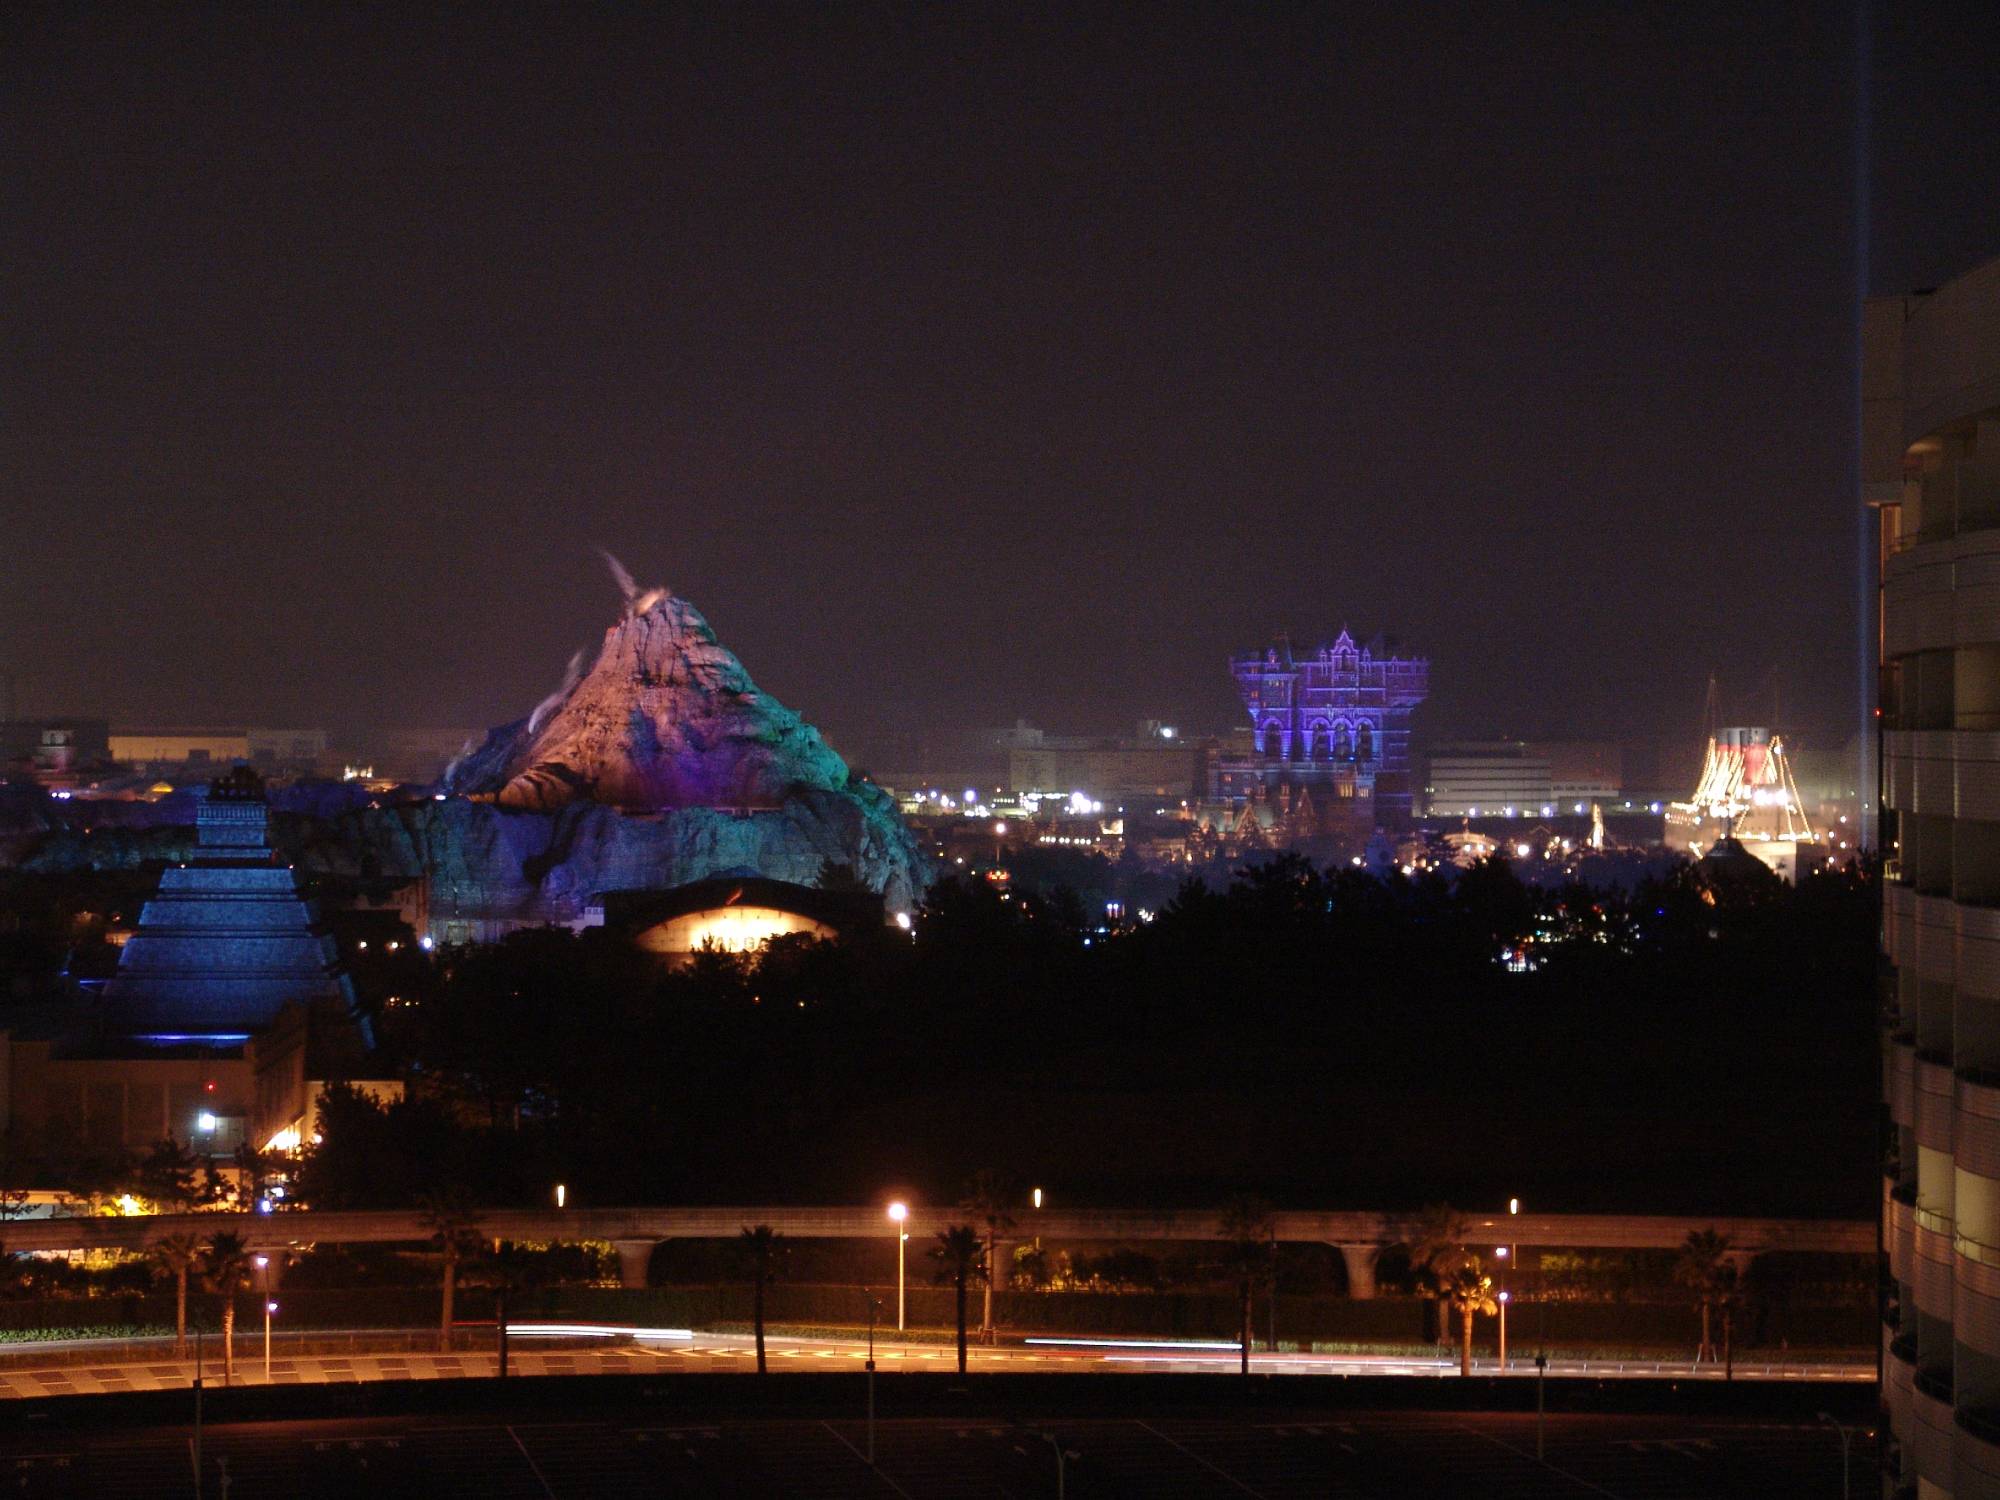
<point>1360,1262</point>
<point>634,1259</point>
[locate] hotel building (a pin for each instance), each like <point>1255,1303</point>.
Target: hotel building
<point>1930,469</point>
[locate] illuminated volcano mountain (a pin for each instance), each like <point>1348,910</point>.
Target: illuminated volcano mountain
<point>665,718</point>
<point>661,764</point>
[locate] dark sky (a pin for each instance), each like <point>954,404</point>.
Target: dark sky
<point>960,364</point>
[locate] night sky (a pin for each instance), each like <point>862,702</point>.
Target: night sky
<point>959,363</point>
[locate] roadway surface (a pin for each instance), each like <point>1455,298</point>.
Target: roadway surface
<point>146,1365</point>
<point>1273,1454</point>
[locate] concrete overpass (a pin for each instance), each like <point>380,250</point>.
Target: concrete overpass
<point>1359,1235</point>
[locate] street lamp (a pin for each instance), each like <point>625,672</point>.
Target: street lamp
<point>1062,1456</point>
<point>562,1195</point>
<point>263,1263</point>
<point>1846,1437</point>
<point>898,1213</point>
<point>874,1306</point>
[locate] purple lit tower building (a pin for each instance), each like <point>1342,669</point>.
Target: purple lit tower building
<point>1330,731</point>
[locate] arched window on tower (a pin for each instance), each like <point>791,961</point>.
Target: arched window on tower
<point>1343,747</point>
<point>1364,743</point>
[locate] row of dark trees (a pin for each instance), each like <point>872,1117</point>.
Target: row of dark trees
<point>1322,1037</point>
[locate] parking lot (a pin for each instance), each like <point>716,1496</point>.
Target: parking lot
<point>1368,1455</point>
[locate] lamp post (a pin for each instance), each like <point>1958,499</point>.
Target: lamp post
<point>1846,1436</point>
<point>899,1213</point>
<point>264,1275</point>
<point>1062,1455</point>
<point>874,1306</point>
<point>197,1409</point>
<point>1506,1279</point>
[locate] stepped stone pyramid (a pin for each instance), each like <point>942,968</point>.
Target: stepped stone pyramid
<point>227,940</point>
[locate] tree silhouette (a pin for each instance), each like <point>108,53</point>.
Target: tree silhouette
<point>225,1267</point>
<point>989,1199</point>
<point>1469,1290</point>
<point>760,1244</point>
<point>1247,1233</point>
<point>1703,1267</point>
<point>957,1251</point>
<point>453,1223</point>
<point>1435,1242</point>
<point>168,1176</point>
<point>177,1255</point>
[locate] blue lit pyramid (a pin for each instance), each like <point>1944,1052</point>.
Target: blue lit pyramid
<point>227,940</point>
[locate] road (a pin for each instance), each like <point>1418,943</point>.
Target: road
<point>139,1366</point>
<point>1273,1454</point>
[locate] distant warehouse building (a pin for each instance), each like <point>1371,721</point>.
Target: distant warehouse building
<point>1153,761</point>
<point>1487,778</point>
<point>267,749</point>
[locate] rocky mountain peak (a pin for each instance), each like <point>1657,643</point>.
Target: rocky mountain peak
<point>665,717</point>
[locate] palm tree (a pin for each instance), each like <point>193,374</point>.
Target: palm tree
<point>178,1254</point>
<point>225,1268</point>
<point>1703,1267</point>
<point>1435,1242</point>
<point>760,1249</point>
<point>990,1198</point>
<point>957,1252</point>
<point>1469,1290</point>
<point>1728,1297</point>
<point>1247,1226</point>
<point>452,1221</point>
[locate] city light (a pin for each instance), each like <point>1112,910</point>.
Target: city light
<point>205,1122</point>
<point>899,1211</point>
<point>1222,1344</point>
<point>599,1331</point>
<point>1038,1197</point>
<point>562,1195</point>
